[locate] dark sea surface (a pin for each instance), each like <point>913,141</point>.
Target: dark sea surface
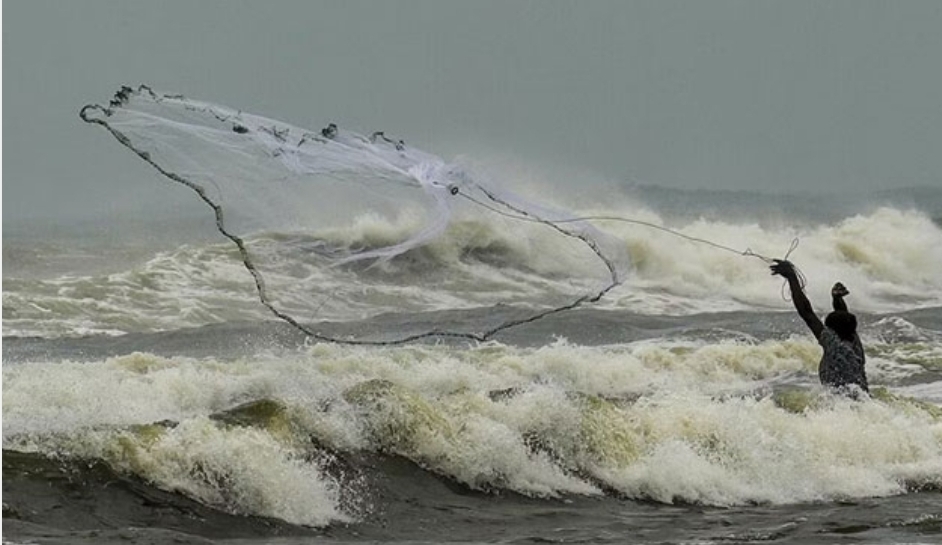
<point>148,397</point>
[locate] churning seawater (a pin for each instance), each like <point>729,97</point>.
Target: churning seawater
<point>148,397</point>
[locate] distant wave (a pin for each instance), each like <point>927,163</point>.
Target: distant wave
<point>823,206</point>
<point>888,258</point>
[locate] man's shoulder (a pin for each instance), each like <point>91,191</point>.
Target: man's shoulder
<point>828,337</point>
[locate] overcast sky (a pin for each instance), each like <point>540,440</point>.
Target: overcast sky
<point>786,95</point>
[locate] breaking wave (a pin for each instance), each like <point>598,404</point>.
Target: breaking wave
<point>889,259</point>
<point>727,423</point>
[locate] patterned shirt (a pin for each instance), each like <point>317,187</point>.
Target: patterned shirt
<point>843,361</point>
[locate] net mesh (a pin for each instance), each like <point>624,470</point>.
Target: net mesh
<point>259,175</point>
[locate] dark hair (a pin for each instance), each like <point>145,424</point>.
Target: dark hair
<point>843,323</point>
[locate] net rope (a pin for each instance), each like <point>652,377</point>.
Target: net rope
<point>245,167</point>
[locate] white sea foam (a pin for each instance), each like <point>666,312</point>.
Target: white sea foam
<point>889,260</point>
<point>666,421</point>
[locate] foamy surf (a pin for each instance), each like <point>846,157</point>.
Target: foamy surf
<point>707,423</point>
<point>889,259</point>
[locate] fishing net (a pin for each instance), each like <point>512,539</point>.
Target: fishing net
<point>274,188</point>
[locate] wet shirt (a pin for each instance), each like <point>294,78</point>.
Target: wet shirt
<point>843,361</point>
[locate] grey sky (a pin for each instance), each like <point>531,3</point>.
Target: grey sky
<point>734,95</point>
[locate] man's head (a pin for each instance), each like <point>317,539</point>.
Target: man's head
<point>843,323</point>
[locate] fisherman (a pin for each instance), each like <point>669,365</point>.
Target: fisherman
<point>842,365</point>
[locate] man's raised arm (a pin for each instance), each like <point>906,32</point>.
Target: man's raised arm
<point>802,304</point>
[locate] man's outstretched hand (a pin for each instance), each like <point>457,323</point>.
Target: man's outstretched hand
<point>783,267</point>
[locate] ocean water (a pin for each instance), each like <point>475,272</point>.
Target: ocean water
<point>148,397</point>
